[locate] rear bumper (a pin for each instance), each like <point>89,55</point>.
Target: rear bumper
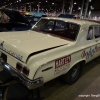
<point>30,84</point>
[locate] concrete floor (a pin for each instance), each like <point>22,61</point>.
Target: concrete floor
<point>86,88</point>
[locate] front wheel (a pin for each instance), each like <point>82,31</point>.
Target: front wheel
<point>73,75</point>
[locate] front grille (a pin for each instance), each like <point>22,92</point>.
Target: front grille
<point>4,57</point>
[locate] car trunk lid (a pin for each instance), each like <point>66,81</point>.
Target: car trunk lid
<point>22,44</point>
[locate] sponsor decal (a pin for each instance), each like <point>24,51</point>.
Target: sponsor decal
<point>62,64</point>
<point>83,54</point>
<point>10,52</point>
<point>90,53</point>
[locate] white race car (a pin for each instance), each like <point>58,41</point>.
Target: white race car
<point>53,47</point>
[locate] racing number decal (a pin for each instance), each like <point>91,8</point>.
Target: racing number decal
<point>62,64</point>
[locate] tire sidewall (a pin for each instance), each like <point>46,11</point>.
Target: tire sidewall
<point>70,79</point>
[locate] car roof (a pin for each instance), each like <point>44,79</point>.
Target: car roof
<point>77,21</point>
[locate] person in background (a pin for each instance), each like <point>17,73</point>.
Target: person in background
<point>4,17</point>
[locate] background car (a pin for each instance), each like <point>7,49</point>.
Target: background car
<point>16,22</point>
<point>33,18</point>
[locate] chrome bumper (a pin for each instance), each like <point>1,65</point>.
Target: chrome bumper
<point>30,84</point>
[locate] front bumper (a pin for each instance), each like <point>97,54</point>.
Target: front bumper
<point>30,84</point>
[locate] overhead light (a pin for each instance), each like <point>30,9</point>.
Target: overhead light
<point>46,1</point>
<point>74,3</point>
<point>79,8</point>
<point>90,0</point>
<point>91,7</point>
<point>52,3</point>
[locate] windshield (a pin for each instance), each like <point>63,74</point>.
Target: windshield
<point>67,30</point>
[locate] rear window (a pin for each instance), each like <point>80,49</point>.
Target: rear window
<point>59,28</point>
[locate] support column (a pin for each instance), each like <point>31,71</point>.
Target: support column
<point>89,14</point>
<point>63,6</point>
<point>55,12</point>
<point>17,8</point>
<point>47,12</point>
<point>87,4</point>
<point>25,7</point>
<point>38,8</point>
<point>81,11</point>
<point>71,7</point>
<point>30,7</point>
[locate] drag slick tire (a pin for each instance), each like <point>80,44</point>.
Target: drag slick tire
<point>73,75</point>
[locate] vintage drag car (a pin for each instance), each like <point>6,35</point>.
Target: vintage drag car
<point>54,47</point>
<point>16,22</point>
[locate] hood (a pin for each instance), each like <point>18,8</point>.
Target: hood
<point>15,16</point>
<point>24,43</point>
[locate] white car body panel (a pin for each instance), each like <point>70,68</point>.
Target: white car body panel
<point>19,41</point>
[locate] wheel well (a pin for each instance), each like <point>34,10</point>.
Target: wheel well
<point>68,77</point>
<point>82,64</point>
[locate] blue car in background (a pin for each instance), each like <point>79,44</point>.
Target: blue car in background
<point>33,17</point>
<point>16,22</point>
<point>66,16</point>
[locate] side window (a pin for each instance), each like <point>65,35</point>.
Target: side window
<point>97,32</point>
<point>90,33</point>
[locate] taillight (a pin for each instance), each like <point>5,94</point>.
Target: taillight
<point>25,71</point>
<point>22,69</point>
<point>19,67</point>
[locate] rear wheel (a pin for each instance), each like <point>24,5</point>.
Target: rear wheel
<point>73,75</point>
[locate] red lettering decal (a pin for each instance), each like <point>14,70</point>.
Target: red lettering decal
<point>62,61</point>
<point>83,54</point>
